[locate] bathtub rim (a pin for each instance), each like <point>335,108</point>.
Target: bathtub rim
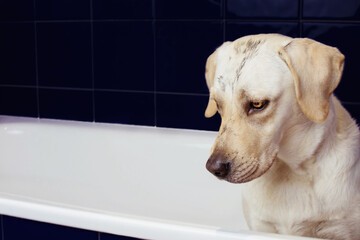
<point>123,225</point>
<point>126,225</point>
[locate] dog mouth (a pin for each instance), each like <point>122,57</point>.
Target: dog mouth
<point>244,173</point>
<point>238,171</point>
<point>248,172</point>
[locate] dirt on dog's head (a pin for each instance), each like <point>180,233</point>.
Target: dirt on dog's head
<point>261,86</point>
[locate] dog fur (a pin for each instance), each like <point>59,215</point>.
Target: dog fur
<point>299,153</point>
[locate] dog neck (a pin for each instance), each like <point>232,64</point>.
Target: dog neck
<point>306,143</point>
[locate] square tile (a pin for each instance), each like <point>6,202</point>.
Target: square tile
<point>17,58</point>
<point>105,236</point>
<point>182,48</point>
<point>66,104</point>
<point>188,9</point>
<point>17,228</point>
<point>264,9</point>
<point>115,9</point>
<point>331,9</point>
<point>184,111</point>
<point>18,101</point>
<point>125,107</point>
<point>346,38</point>
<point>124,55</point>
<point>64,54</point>
<point>235,30</point>
<point>62,9</point>
<point>19,10</point>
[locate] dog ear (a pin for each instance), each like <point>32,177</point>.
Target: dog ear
<point>317,70</point>
<point>209,76</point>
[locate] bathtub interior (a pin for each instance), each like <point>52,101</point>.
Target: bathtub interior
<point>114,172</point>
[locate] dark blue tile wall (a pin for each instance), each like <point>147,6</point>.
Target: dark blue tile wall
<point>17,228</point>
<point>63,10</point>
<point>18,101</point>
<point>64,54</point>
<point>66,104</point>
<point>17,53</point>
<point>19,10</point>
<point>175,111</point>
<point>124,55</point>
<point>182,48</point>
<point>115,9</point>
<point>125,107</point>
<point>142,61</point>
<point>1,228</point>
<point>236,28</point>
<point>13,228</point>
<point>188,9</point>
<point>105,236</point>
<point>332,9</point>
<point>262,9</point>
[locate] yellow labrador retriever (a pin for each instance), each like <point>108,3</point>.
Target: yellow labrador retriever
<point>284,130</point>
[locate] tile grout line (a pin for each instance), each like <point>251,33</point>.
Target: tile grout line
<point>92,60</point>
<point>154,59</point>
<point>224,19</point>
<point>105,90</point>
<point>293,20</point>
<point>312,20</point>
<point>129,91</point>
<point>36,63</point>
<point>300,22</point>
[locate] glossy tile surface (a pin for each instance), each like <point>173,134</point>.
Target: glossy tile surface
<point>132,51</point>
<point>115,9</point>
<point>1,228</point>
<point>332,9</point>
<point>64,54</point>
<point>188,9</point>
<point>18,101</point>
<point>124,107</point>
<point>18,10</point>
<point>16,228</point>
<point>66,104</point>
<point>235,30</point>
<point>181,51</point>
<point>279,9</point>
<point>354,110</point>
<point>350,34</point>
<point>184,111</point>
<point>17,54</point>
<point>124,55</point>
<point>105,236</point>
<point>62,9</point>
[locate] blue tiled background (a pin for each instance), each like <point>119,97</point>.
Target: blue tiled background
<point>142,61</point>
<point>22,229</point>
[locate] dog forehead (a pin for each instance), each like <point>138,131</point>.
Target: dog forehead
<point>252,67</point>
<point>226,63</point>
<point>264,76</point>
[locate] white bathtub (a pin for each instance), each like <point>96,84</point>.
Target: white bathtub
<point>135,181</point>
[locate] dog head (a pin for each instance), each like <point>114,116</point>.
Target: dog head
<point>258,84</point>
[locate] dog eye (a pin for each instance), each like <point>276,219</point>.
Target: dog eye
<point>257,105</point>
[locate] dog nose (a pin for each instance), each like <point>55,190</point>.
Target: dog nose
<point>218,166</point>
